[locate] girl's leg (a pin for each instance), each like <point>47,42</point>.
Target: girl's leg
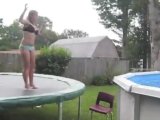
<point>26,65</point>
<point>32,69</point>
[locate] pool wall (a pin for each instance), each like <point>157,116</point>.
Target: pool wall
<point>136,102</point>
<point>137,107</point>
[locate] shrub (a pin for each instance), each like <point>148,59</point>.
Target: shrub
<point>99,80</point>
<point>110,73</point>
<point>104,79</point>
<point>4,48</point>
<point>52,60</point>
<point>109,76</point>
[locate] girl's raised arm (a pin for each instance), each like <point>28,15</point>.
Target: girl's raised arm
<point>21,20</point>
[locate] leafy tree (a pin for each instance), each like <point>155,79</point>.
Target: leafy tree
<point>11,36</point>
<point>62,36</point>
<point>1,28</point>
<point>2,42</point>
<point>13,32</point>
<point>1,23</point>
<point>70,33</point>
<point>121,15</point>
<point>141,33</point>
<point>44,23</point>
<point>135,46</point>
<point>47,36</point>
<point>115,14</point>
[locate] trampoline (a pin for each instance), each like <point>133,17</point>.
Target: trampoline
<point>51,89</point>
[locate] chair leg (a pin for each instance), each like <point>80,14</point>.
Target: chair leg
<point>107,116</point>
<point>91,114</point>
<point>111,115</point>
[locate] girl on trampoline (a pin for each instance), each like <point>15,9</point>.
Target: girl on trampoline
<point>27,49</point>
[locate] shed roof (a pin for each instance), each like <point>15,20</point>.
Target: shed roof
<point>89,46</point>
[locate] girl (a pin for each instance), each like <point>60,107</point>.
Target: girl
<point>27,49</point>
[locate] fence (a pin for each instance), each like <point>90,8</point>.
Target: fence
<point>82,69</point>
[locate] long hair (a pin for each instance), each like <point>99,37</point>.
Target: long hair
<point>31,14</point>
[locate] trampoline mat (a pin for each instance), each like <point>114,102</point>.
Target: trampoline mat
<point>51,89</point>
<point>13,86</point>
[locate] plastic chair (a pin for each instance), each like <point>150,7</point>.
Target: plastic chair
<point>105,97</point>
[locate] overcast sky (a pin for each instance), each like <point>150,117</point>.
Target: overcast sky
<point>65,14</point>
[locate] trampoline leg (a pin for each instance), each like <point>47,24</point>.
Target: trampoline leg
<point>60,105</point>
<point>79,107</point>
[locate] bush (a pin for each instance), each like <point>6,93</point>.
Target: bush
<point>99,80</point>
<point>106,79</point>
<point>52,60</point>
<point>111,72</point>
<point>109,76</point>
<point>4,48</point>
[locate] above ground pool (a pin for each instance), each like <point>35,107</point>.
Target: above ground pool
<point>51,89</point>
<point>139,96</point>
<point>152,80</point>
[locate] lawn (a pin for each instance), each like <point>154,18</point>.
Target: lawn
<point>49,112</point>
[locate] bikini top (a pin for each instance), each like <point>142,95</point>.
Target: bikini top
<point>31,29</point>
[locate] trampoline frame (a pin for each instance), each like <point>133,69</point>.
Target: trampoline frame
<point>78,92</point>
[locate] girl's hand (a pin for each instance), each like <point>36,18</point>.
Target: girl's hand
<point>21,20</point>
<point>41,28</point>
<point>26,6</point>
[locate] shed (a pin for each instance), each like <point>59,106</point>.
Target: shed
<point>89,47</point>
<point>91,56</point>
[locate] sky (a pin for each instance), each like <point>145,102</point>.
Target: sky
<point>65,14</point>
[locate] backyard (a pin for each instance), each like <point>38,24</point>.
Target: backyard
<point>49,112</point>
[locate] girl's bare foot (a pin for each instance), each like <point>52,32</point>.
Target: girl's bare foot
<point>27,86</point>
<point>33,87</point>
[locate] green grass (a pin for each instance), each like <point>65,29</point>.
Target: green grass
<point>49,112</point>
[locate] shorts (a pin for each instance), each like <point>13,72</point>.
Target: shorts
<point>26,47</point>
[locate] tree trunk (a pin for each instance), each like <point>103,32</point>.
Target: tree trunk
<point>145,36</point>
<point>154,17</point>
<point>125,30</point>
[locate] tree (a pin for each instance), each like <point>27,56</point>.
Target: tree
<point>70,33</point>
<point>3,43</point>
<point>47,36</point>
<point>154,17</point>
<point>121,15</point>
<point>13,32</point>
<point>117,15</point>
<point>11,36</point>
<point>1,23</point>
<point>144,25</point>
<point>1,29</point>
<point>137,47</point>
<point>141,33</point>
<point>44,23</point>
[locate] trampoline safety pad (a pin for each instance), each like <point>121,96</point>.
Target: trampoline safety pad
<point>50,89</point>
